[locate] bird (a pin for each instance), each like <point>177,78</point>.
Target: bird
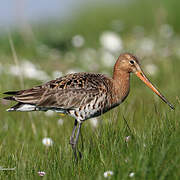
<point>83,95</point>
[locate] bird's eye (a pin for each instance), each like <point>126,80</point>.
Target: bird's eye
<point>131,61</point>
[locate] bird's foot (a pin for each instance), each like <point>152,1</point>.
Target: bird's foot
<point>72,142</point>
<point>76,152</point>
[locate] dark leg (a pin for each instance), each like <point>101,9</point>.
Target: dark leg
<point>73,141</point>
<point>73,132</point>
<point>77,135</point>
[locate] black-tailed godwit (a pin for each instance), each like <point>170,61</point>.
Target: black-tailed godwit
<point>83,95</point>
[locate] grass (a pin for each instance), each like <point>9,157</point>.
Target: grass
<point>152,151</point>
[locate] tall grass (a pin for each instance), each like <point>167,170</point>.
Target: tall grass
<point>151,150</point>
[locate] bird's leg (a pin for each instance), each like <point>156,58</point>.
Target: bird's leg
<point>77,135</point>
<point>73,141</point>
<point>73,132</point>
<point>76,141</point>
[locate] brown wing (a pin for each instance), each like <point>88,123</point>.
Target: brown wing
<point>29,96</point>
<point>68,98</point>
<point>70,91</point>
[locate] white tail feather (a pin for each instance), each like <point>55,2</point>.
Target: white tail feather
<point>23,108</point>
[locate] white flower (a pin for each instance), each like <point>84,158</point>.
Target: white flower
<point>108,174</point>
<point>111,41</point>
<point>146,46</point>
<point>88,55</point>
<point>47,142</point>
<point>107,59</point>
<point>41,173</point>
<point>151,69</point>
<point>15,70</point>
<point>28,70</point>
<point>31,71</point>
<point>127,139</point>
<point>94,122</point>
<point>126,160</point>
<point>78,41</point>
<point>131,174</point>
<point>56,74</point>
<point>60,122</point>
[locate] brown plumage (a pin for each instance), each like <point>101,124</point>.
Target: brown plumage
<point>82,95</point>
<point>65,94</point>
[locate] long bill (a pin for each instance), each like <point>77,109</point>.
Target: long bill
<point>142,76</point>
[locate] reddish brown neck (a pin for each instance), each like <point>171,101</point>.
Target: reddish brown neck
<point>121,85</point>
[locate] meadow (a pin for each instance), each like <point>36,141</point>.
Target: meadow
<point>140,139</point>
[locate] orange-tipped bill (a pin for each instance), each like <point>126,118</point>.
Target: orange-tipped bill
<point>142,76</point>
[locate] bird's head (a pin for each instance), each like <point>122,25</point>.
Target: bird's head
<point>128,63</point>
